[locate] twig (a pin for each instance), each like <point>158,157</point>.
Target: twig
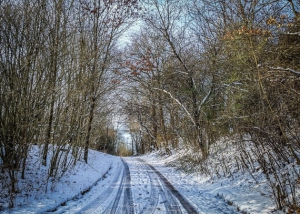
<point>286,69</point>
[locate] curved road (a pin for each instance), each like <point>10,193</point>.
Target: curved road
<point>136,186</point>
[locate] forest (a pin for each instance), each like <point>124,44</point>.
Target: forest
<point>195,75</point>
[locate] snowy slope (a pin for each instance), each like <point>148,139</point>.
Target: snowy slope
<point>71,186</point>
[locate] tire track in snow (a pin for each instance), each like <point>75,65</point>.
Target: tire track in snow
<point>151,205</point>
<point>139,174</point>
<point>124,189</point>
<point>128,201</point>
<point>158,191</point>
<point>93,207</point>
<point>172,206</point>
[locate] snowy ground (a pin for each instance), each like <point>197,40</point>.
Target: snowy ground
<point>209,196</point>
<point>74,185</point>
<point>144,184</point>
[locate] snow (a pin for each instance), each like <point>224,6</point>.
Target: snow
<point>93,188</point>
<point>71,186</point>
<point>242,192</point>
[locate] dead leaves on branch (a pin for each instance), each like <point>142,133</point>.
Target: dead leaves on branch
<point>141,65</point>
<point>118,7</point>
<point>244,31</point>
<point>273,25</point>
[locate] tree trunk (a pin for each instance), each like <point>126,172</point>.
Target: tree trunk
<point>88,134</point>
<point>53,75</point>
<point>154,125</point>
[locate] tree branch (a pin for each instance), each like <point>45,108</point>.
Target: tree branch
<point>204,99</point>
<point>286,69</point>
<point>178,102</point>
<point>294,33</point>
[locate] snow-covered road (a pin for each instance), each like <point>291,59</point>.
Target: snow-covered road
<point>116,199</point>
<point>155,190</point>
<point>144,184</point>
<point>137,186</point>
<point>160,188</point>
